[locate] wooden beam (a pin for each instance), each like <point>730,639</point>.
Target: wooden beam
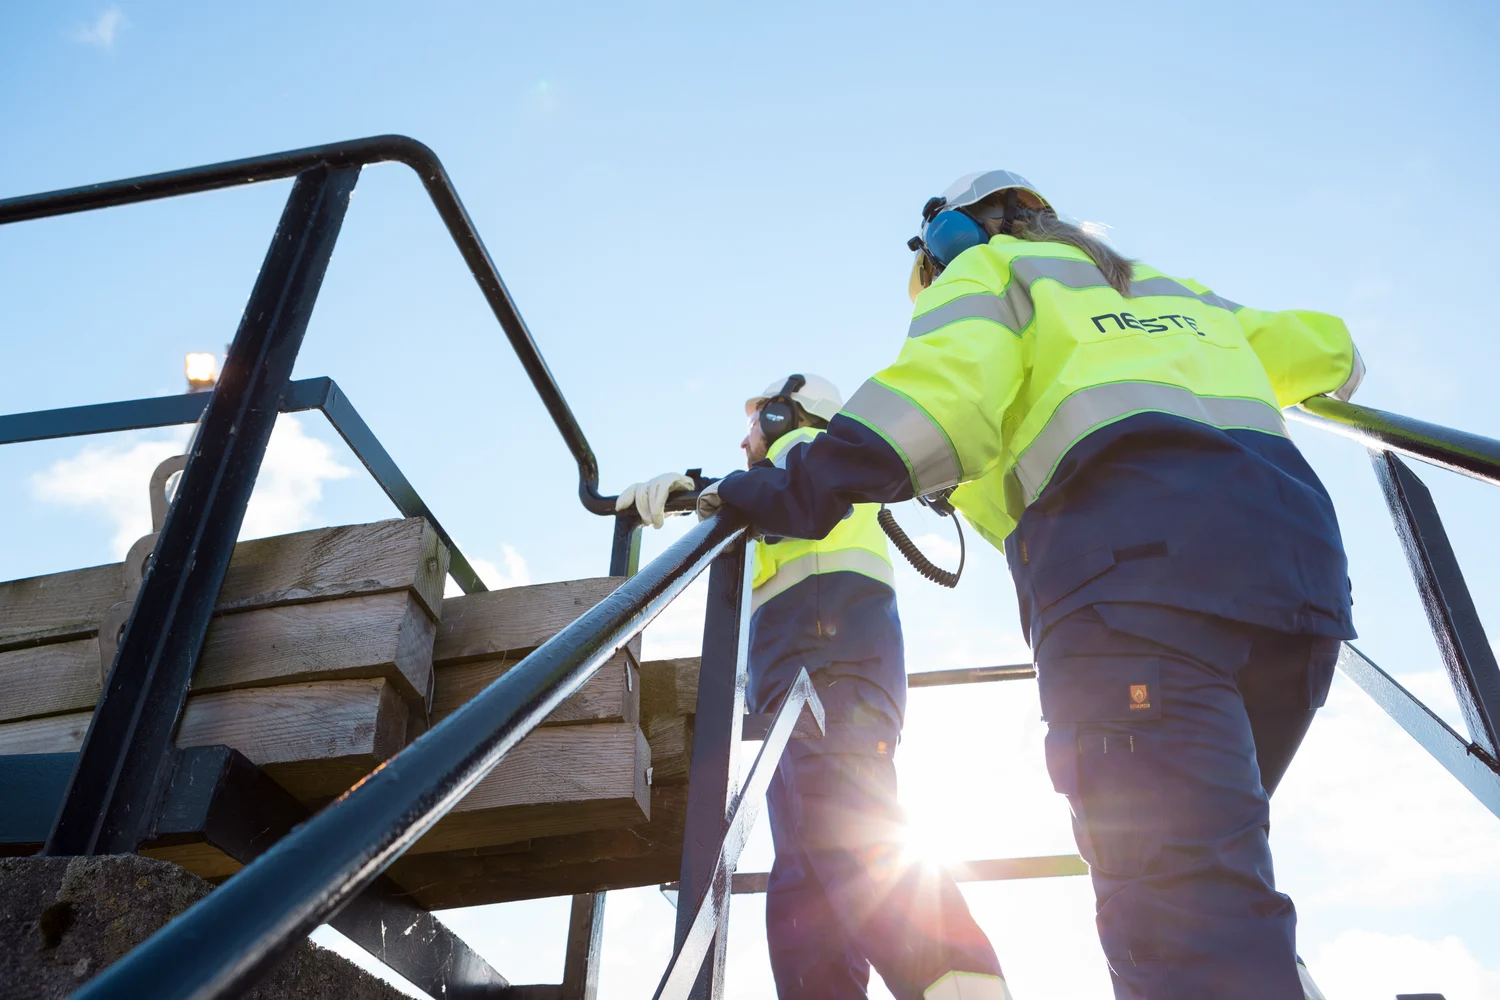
<point>380,635</point>
<point>613,694</point>
<point>285,569</point>
<point>496,622</point>
<point>57,607</point>
<point>646,854</point>
<point>671,741</point>
<point>316,740</point>
<point>560,779</point>
<point>669,687</point>
<point>46,680</point>
<point>338,562</point>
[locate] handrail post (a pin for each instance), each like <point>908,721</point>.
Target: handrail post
<point>127,751</point>
<point>713,773</point>
<point>1460,635</point>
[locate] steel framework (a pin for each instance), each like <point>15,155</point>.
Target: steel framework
<point>129,784</point>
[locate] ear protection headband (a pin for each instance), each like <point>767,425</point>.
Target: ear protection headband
<point>948,232</point>
<point>779,415</point>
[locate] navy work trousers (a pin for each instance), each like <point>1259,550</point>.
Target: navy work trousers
<point>1167,731</point>
<point>841,896</point>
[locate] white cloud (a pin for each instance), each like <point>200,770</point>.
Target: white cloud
<point>1365,965</point>
<point>515,574</point>
<point>1367,818</point>
<point>112,480</point>
<point>101,32</point>
<point>678,631</point>
<point>291,481</point>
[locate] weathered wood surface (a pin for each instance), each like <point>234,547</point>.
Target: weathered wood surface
<point>669,687</point>
<point>315,739</point>
<point>496,622</point>
<point>646,854</point>
<point>613,694</point>
<point>307,566</point>
<point>562,779</point>
<point>57,607</point>
<point>671,740</point>
<point>380,635</point>
<point>199,857</point>
<point>45,680</point>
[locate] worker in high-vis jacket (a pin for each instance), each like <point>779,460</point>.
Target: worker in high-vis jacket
<point>1181,577</point>
<point>841,896</point>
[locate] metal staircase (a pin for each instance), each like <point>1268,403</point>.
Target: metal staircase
<point>328,868</point>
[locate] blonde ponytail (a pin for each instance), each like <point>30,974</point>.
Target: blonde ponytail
<point>1041,225</point>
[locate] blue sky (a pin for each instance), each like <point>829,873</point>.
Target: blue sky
<point>688,201</point>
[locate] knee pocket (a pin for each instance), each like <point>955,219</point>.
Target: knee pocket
<point>846,801</point>
<point>1103,752</point>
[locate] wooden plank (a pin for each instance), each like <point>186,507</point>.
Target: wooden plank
<point>337,562</point>
<point>57,607</point>
<point>671,740</point>
<point>613,694</point>
<point>45,680</point>
<point>379,635</point>
<point>199,857</point>
<point>560,779</point>
<point>315,739</point>
<point>497,622</point>
<point>646,854</point>
<point>315,565</point>
<point>669,687</point>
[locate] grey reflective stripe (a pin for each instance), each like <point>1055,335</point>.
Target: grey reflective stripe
<point>1356,376</point>
<point>1064,271</point>
<point>1089,409</point>
<point>794,571</point>
<point>922,443</point>
<point>1011,309</point>
<point>1220,301</point>
<point>1081,274</point>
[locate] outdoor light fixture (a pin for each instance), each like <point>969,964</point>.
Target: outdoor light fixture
<point>202,372</point>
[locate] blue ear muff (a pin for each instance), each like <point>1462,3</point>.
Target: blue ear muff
<point>950,233</point>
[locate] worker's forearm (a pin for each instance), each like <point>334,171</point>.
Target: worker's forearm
<point>821,480</point>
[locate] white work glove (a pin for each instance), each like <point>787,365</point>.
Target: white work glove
<point>650,497</point>
<point>709,501</point>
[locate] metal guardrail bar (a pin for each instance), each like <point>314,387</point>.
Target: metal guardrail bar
<point>970,675</point>
<point>351,153</point>
<point>322,394</point>
<point>701,923</point>
<point>223,943</point>
<point>1459,451</point>
<point>985,870</point>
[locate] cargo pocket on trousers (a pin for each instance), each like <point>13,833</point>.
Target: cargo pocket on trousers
<point>1103,748</point>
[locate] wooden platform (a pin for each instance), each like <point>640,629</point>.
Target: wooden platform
<point>332,649</point>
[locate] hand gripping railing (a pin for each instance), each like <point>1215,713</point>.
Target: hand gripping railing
<point>225,942</point>
<point>1467,653</point>
<point>351,153</point>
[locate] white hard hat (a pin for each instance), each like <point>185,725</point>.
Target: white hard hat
<point>975,187</point>
<point>818,396</point>
<point>967,190</point>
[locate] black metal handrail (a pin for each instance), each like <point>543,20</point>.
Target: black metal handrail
<point>1458,451</point>
<point>226,941</point>
<point>351,153</point>
<point>1470,659</point>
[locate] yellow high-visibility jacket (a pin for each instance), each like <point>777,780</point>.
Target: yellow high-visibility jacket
<point>1020,349</point>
